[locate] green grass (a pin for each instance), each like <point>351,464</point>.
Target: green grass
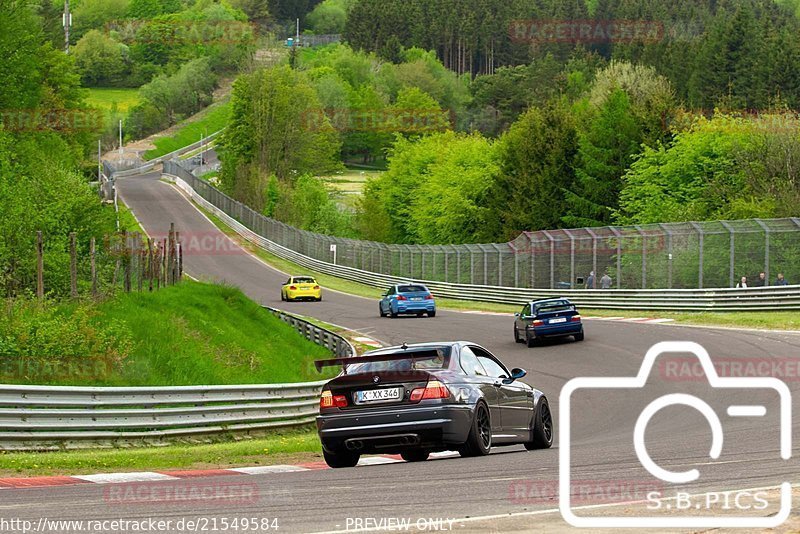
<point>197,333</point>
<point>107,98</point>
<point>279,447</point>
<point>189,334</point>
<point>350,181</point>
<point>213,119</point>
<point>127,221</point>
<point>777,320</point>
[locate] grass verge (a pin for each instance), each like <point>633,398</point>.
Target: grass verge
<point>777,320</point>
<point>214,119</point>
<point>288,446</point>
<point>189,334</point>
<point>111,98</point>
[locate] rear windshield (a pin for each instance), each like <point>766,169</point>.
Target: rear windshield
<point>411,289</point>
<point>555,306</point>
<point>427,359</point>
<point>304,280</point>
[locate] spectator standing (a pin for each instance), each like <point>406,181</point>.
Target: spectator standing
<point>781,281</point>
<point>742,283</point>
<point>590,283</point>
<point>605,282</point>
<point>762,280</point>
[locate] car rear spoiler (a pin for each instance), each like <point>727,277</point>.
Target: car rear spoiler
<point>319,364</point>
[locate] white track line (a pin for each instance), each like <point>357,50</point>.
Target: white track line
<point>121,478</point>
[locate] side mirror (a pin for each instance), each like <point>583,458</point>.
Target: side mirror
<point>516,374</point>
<point>516,315</point>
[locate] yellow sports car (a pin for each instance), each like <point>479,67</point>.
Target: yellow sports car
<point>301,288</point>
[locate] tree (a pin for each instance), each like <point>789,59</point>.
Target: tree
<point>97,14</point>
<point>100,60</point>
<point>277,127</point>
<point>536,166</point>
<point>604,154</point>
<point>329,17</point>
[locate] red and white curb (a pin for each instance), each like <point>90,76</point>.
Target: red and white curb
<point>162,476</point>
<point>644,320</point>
<point>368,341</point>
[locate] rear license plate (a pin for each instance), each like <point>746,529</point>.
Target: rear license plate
<point>378,395</point>
<point>559,320</point>
<point>305,287</point>
<point>416,298</point>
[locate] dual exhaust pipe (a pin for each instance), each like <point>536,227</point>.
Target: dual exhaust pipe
<point>384,442</point>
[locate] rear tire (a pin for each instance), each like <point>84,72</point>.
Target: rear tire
<point>479,441</point>
<point>542,431</point>
<point>432,313</point>
<point>516,336</point>
<point>341,459</point>
<point>420,314</point>
<point>415,455</point>
<point>530,340</point>
<point>579,336</point>
<point>392,313</point>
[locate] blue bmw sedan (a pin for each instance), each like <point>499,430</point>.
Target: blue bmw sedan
<point>547,318</point>
<point>407,299</point>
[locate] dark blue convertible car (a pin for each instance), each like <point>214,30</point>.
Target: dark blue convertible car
<point>547,318</point>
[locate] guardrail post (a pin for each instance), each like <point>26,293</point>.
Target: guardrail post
<point>572,258</point>
<point>458,266</point>
<point>516,264</point>
<point>533,259</point>
<point>644,255</point>
<point>552,259</point>
<point>766,249</point>
<point>700,237</point>
<point>499,266</point>
<point>471,268</point>
<point>619,256</point>
<point>732,254</point>
<point>594,249</point>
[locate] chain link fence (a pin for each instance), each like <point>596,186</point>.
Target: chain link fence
<point>691,255</point>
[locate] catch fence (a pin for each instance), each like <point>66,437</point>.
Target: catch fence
<point>692,255</point>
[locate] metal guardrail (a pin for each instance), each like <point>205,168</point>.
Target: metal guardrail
<point>725,299</point>
<point>59,417</point>
<point>337,344</point>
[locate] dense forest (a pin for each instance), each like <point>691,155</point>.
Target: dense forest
<point>692,118</point>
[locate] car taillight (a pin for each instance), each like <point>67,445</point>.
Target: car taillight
<point>293,288</point>
<point>434,390</point>
<point>428,297</point>
<point>329,400</point>
<point>401,297</point>
<point>538,322</point>
<point>576,318</point>
<point>316,287</point>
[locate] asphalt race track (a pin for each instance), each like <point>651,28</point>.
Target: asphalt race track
<point>602,422</point>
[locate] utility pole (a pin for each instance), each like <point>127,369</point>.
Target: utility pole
<point>66,20</point>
